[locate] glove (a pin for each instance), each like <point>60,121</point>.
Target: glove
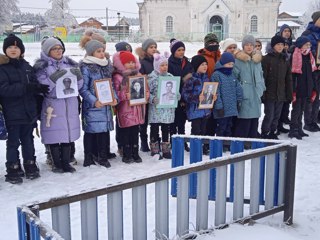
<point>58,74</point>
<point>77,72</point>
<point>313,96</point>
<point>294,97</point>
<point>37,88</point>
<point>220,113</point>
<point>239,106</point>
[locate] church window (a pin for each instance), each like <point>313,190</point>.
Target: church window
<point>254,24</point>
<point>169,24</point>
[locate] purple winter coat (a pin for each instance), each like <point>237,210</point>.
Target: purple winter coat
<point>65,126</point>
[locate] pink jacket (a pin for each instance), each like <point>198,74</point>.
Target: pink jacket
<point>127,115</point>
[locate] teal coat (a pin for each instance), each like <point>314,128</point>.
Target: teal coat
<point>249,72</point>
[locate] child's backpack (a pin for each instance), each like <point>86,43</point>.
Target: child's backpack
<point>3,130</point>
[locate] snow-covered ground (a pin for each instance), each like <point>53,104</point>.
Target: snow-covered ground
<point>306,212</point>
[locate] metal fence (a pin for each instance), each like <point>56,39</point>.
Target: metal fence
<point>272,180</point>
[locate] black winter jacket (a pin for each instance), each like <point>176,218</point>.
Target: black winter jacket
<point>146,65</point>
<point>19,106</point>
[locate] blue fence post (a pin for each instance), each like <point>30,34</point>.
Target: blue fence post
<point>195,156</point>
<point>177,160</point>
<point>276,180</point>
<point>216,147</point>
<point>22,224</point>
<point>256,145</point>
<point>235,147</point>
<point>34,231</point>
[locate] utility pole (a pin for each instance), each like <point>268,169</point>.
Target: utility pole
<point>107,18</point>
<point>118,13</point>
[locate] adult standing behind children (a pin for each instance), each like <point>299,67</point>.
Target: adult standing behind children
<point>278,81</point>
<point>145,53</point>
<point>63,126</point>
<point>97,118</point>
<point>248,70</point>
<point>181,67</point>
<point>18,87</point>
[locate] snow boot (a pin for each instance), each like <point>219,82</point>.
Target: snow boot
<point>155,148</point>
<point>281,129</point>
<point>127,154</point>
<point>166,152</point>
<point>273,135</point>
<point>302,133</point>
<point>56,158</point>
<point>73,160</point>
<point>89,159</point>
<point>264,135</point>
<point>144,146</point>
<point>186,147</point>
<point>102,158</point>
<point>65,158</point>
<point>12,175</point>
<point>49,157</point>
<point>31,168</point>
<point>294,133</point>
<point>20,170</point>
<point>135,154</point>
<point>310,128</point>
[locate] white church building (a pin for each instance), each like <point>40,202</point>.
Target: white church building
<point>192,19</point>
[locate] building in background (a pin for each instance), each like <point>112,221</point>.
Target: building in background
<point>293,20</point>
<point>192,19</point>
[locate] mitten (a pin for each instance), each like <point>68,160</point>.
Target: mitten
<point>58,74</point>
<point>239,106</point>
<point>294,97</point>
<point>220,113</point>
<point>37,88</point>
<point>77,72</point>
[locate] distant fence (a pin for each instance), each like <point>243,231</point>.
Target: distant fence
<point>273,161</point>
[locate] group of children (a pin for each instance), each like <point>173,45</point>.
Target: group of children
<point>245,78</point>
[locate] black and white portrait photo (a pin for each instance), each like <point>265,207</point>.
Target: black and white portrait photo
<point>208,91</point>
<point>167,92</point>
<point>67,85</point>
<point>137,88</point>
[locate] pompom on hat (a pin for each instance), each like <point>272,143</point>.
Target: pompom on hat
<point>126,57</point>
<point>158,59</point>
<point>175,45</point>
<point>95,36</point>
<point>13,40</point>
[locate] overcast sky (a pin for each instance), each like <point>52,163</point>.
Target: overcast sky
<point>125,7</point>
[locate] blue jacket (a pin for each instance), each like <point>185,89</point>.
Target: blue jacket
<point>190,93</point>
<point>313,33</point>
<point>229,92</point>
<point>94,120</point>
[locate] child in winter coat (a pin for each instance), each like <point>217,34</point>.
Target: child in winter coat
<point>191,94</point>
<point>278,81</point>
<point>60,123</point>
<point>145,53</point>
<point>179,66</point>
<point>129,117</point>
<point>303,65</point>
<point>159,117</point>
<point>229,94</point>
<point>248,71</point>
<point>97,118</point>
<point>18,90</point>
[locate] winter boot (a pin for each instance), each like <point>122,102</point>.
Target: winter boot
<point>31,168</point>
<point>73,160</point>
<point>155,148</point>
<point>12,175</point>
<point>127,156</point>
<point>273,135</point>
<point>166,152</point>
<point>89,159</point>
<point>135,154</point>
<point>316,126</point>
<point>65,158</point>
<point>144,146</point>
<point>294,133</point>
<point>102,158</point>
<point>49,157</point>
<point>264,135</point>
<point>281,129</point>
<point>302,133</point>
<point>110,154</point>
<point>310,128</point>
<point>186,147</point>
<point>56,158</point>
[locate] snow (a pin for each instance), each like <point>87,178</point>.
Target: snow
<point>306,216</point>
<point>289,23</point>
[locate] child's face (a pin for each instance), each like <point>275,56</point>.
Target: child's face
<point>248,48</point>
<point>130,65</point>
<point>163,68</point>
<point>231,49</point>
<point>13,52</point>
<point>317,23</point>
<point>278,47</point>
<point>179,52</point>
<point>306,46</point>
<point>228,65</point>
<point>99,53</point>
<point>286,33</point>
<point>258,46</point>
<point>56,52</point>
<point>203,68</point>
<point>152,49</point>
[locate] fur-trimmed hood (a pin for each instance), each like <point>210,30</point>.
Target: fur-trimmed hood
<point>3,59</point>
<point>44,61</point>
<point>117,64</point>
<point>141,53</point>
<point>256,56</point>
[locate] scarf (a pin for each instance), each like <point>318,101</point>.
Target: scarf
<point>297,61</point>
<point>93,60</point>
<point>226,71</point>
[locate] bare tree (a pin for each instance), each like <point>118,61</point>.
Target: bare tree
<point>7,8</point>
<point>58,15</point>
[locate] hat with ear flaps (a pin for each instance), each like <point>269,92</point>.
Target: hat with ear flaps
<point>158,59</point>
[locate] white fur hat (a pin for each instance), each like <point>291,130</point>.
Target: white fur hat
<point>226,43</point>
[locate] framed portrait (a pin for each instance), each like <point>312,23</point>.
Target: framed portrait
<point>137,90</point>
<point>168,89</point>
<point>209,90</point>
<point>104,91</point>
<point>318,53</point>
<point>66,85</point>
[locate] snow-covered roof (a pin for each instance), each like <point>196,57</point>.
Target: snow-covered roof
<point>24,28</point>
<point>293,14</point>
<point>81,20</point>
<point>289,23</point>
